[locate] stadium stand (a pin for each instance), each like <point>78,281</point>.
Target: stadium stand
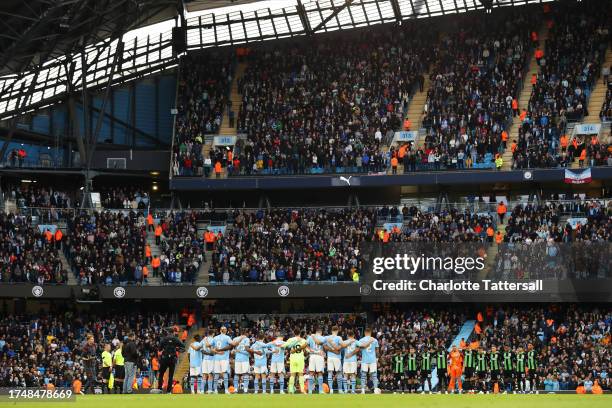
<point>571,343</point>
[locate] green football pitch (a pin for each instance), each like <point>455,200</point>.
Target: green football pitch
<point>332,401</point>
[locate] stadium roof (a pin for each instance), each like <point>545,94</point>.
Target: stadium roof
<point>46,43</point>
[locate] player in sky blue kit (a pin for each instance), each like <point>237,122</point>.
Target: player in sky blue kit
<point>195,365</point>
<point>349,366</point>
<point>222,344</point>
<point>241,360</point>
<point>260,365</point>
<point>368,346</point>
<point>277,363</point>
<point>316,359</point>
<point>208,361</point>
<point>206,352</point>
<point>334,364</point>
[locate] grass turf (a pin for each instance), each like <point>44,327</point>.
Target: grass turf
<point>331,401</point>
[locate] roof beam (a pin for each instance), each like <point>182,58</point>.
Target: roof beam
<point>396,10</point>
<point>304,18</point>
<point>334,13</point>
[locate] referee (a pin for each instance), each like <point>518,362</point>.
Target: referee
<point>169,346</point>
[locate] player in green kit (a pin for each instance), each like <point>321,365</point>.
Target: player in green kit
<point>296,346</point>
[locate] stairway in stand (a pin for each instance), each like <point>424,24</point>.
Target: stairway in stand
<point>182,367</point>
<point>596,100</point>
<point>415,114</point>
<point>155,251</point>
<point>598,94</point>
<point>225,129</point>
<point>417,103</point>
<point>523,100</point>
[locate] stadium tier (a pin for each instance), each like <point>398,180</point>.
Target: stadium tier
<point>515,348</point>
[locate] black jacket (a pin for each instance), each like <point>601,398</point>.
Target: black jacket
<point>130,352</point>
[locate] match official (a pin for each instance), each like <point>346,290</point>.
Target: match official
<point>169,346</point>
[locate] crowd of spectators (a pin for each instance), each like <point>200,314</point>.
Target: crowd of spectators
<point>48,348</point>
<point>107,247</point>
<point>202,98</point>
<point>568,67</point>
<point>326,103</point>
<point>182,250</point>
<point>28,254</point>
<point>606,108</point>
<point>475,79</point>
<point>134,198</point>
<point>536,243</point>
<point>572,342</point>
<point>292,245</point>
<point>35,195</point>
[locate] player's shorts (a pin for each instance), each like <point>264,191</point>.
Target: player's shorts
<point>350,367</point>
<point>221,366</point>
<point>208,366</point>
<point>260,369</point>
<point>277,368</point>
<point>412,374</point>
<point>296,366</point>
<point>368,367</point>
<point>195,371</point>
<point>241,367</point>
<point>316,364</point>
<point>334,364</point>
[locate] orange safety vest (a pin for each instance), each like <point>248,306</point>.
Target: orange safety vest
<point>499,237</point>
<point>563,141</point>
<point>217,167</point>
<point>583,154</point>
<point>145,383</point>
<point>177,389</point>
<point>155,364</point>
<point>580,390</point>
<point>504,136</point>
<point>48,235</point>
<point>394,162</point>
<point>514,104</point>
<point>155,262</point>
<point>534,79</point>
<point>501,209</point>
<point>149,219</point>
<point>76,386</point>
<point>523,115</point>
<point>148,251</point>
<point>58,235</point>
<point>145,271</point>
<point>513,147</point>
<point>158,231</point>
<point>490,232</point>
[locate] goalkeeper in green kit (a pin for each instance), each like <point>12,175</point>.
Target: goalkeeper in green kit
<point>296,346</point>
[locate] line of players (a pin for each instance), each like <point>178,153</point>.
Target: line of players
<point>209,361</point>
<point>473,369</point>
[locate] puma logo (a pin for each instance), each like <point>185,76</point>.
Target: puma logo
<point>347,180</point>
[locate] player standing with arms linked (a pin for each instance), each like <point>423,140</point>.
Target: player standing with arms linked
<point>368,346</point>
<point>296,346</point>
<point>260,364</point>
<point>277,363</point>
<point>316,359</point>
<point>334,364</point>
<point>222,344</point>
<point>241,361</point>
<point>349,367</point>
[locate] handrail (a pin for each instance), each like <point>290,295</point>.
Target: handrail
<point>424,204</point>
